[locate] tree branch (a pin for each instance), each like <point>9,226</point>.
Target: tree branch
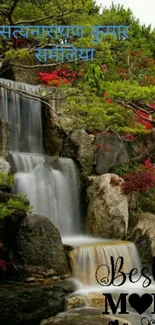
<point>39,99</point>
<point>10,13</point>
<point>135,111</point>
<point>46,17</point>
<point>42,65</point>
<point>141,109</point>
<point>27,95</point>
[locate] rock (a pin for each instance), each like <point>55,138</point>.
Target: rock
<point>54,140</point>
<point>55,278</point>
<point>78,318</point>
<point>75,302</point>
<point>38,272</point>
<point>30,280</point>
<point>10,224</point>
<point>4,197</point>
<point>107,213</point>
<point>96,300</point>
<point>84,151</point>
<point>38,243</point>
<point>134,205</point>
<point>111,153</point>
<point>5,167</point>
<point>27,304</point>
<point>21,74</point>
<point>43,322</point>
<point>54,134</point>
<point>50,273</point>
<point>67,276</point>
<point>143,235</point>
<point>4,147</point>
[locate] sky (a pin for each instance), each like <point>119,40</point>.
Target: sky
<point>142,9</point>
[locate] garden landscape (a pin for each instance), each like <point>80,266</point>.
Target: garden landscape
<point>77,167</point>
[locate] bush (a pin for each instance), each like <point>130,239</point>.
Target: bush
<point>4,211</point>
<point>6,180</point>
<point>18,203</point>
<point>141,180</point>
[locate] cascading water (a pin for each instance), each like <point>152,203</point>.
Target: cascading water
<point>52,186</point>
<point>24,117</point>
<point>87,258</point>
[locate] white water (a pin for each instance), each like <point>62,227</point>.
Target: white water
<point>86,259</point>
<point>52,188</point>
<point>24,117</point>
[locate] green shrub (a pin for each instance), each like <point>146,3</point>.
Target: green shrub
<point>4,211</point>
<point>16,204</point>
<point>6,180</point>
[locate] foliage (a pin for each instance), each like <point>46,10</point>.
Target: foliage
<point>94,75</point>
<point>17,203</point>
<point>122,69</point>
<point>59,77</point>
<point>94,109</point>
<point>5,211</point>
<point>18,54</point>
<point>141,179</point>
<point>124,169</point>
<point>6,180</point>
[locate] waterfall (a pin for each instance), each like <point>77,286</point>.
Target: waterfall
<point>52,188</point>
<point>89,257</point>
<point>24,117</point>
<point>51,184</point>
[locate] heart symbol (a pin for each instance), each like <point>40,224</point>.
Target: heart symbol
<point>114,323</point>
<point>140,304</point>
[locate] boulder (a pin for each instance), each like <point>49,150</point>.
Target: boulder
<point>4,197</point>
<point>83,143</point>
<point>134,205</point>
<point>54,135</point>
<point>111,152</point>
<point>143,235</point>
<point>5,167</point>
<point>107,213</point>
<point>29,303</point>
<point>38,243</point>
<point>4,147</point>
<point>10,224</point>
<point>84,317</point>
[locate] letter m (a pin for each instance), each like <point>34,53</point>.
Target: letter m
<point>114,305</point>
